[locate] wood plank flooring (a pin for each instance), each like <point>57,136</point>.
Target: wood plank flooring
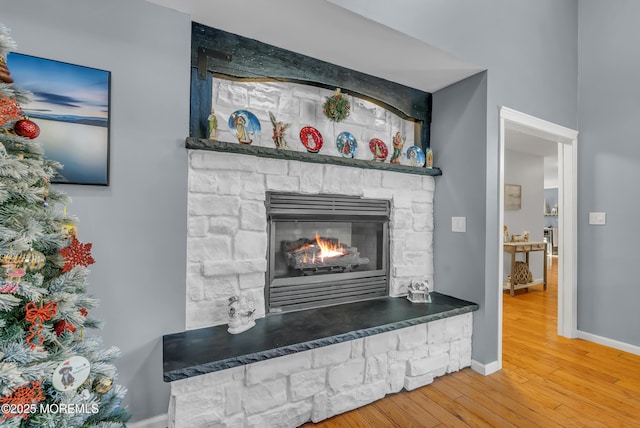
<point>546,381</point>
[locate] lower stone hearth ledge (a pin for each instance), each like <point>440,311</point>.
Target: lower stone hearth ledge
<point>313,364</point>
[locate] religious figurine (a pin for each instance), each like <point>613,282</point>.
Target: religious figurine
<point>278,132</point>
<point>398,142</point>
<point>239,121</point>
<point>213,125</point>
<point>346,149</point>
<point>241,315</point>
<point>412,158</point>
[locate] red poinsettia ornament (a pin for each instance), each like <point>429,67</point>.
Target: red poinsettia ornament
<point>26,128</point>
<point>76,254</point>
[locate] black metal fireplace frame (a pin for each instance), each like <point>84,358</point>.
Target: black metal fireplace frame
<point>295,293</point>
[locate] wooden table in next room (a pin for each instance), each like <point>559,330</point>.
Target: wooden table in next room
<point>514,248</point>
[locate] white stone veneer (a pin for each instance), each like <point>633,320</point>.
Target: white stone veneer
<point>301,105</point>
<point>323,382</point>
<point>227,236</point>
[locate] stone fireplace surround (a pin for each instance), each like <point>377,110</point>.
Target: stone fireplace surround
<point>284,386</point>
<point>227,237</point>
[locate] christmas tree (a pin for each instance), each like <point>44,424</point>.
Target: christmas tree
<point>50,374</point>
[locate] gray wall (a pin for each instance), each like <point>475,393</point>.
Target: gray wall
<point>530,51</point>
<point>459,116</point>
<point>138,224</point>
<point>528,171</point>
<point>609,169</point>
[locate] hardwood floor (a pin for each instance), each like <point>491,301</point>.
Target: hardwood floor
<point>546,381</point>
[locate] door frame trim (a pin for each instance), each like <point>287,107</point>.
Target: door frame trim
<point>567,140</point>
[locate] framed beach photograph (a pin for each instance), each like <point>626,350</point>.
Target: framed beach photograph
<point>70,104</point>
<point>512,197</point>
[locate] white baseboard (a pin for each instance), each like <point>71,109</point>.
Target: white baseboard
<point>485,369</point>
<point>627,347</point>
<point>159,421</point>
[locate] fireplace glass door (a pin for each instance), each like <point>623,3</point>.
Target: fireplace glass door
<point>325,249</point>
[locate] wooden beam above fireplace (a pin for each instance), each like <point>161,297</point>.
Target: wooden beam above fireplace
<point>219,53</point>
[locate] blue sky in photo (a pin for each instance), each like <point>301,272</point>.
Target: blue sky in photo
<point>60,89</point>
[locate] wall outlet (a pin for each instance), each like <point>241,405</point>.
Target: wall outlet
<point>598,218</point>
<point>458,224</point>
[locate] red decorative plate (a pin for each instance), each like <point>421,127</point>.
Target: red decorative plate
<point>379,150</point>
<point>311,139</point>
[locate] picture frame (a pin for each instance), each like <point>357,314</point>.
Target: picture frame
<point>71,105</point>
<point>512,197</point>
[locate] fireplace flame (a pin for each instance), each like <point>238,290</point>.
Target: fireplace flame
<point>328,249</point>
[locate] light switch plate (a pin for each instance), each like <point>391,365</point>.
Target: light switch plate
<point>458,224</point>
<point>597,218</point>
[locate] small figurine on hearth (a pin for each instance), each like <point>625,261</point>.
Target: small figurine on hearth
<point>398,142</point>
<point>279,129</point>
<point>240,315</point>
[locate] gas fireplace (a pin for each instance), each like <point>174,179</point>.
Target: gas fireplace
<point>325,250</point>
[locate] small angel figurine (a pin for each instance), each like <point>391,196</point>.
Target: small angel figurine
<point>278,132</point>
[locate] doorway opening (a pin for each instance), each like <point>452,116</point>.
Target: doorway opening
<point>542,131</point>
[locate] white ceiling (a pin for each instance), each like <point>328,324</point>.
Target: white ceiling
<point>323,30</point>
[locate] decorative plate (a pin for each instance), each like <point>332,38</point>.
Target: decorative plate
<point>244,125</point>
<point>415,155</point>
<point>347,145</point>
<point>311,139</point>
<point>379,149</point>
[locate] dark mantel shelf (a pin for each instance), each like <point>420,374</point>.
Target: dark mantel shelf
<point>195,352</point>
<point>269,152</point>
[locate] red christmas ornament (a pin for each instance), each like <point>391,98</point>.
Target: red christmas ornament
<point>76,254</point>
<point>61,326</point>
<point>84,312</point>
<point>26,128</point>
